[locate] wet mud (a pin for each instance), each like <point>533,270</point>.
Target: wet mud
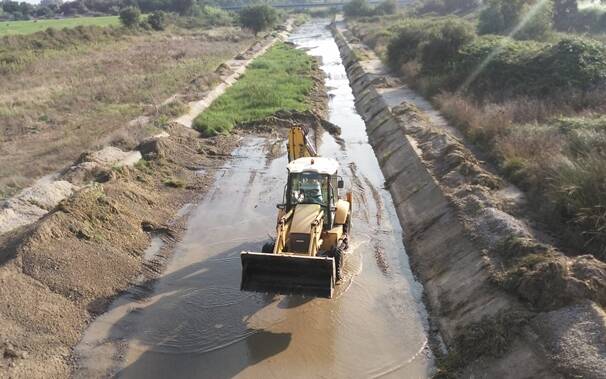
<point>195,322</point>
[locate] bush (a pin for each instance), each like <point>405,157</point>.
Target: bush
<point>157,20</point>
<point>443,7</point>
<point>215,16</point>
<point>502,65</point>
<point>357,8</point>
<point>403,47</point>
<point>386,7</point>
<point>519,18</point>
<point>258,17</point>
<point>129,16</point>
<point>443,42</point>
<point>511,68</point>
<point>433,42</point>
<point>572,63</point>
<point>579,191</point>
<point>183,7</point>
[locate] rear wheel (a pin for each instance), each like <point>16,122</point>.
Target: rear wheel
<point>268,247</point>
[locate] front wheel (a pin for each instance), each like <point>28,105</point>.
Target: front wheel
<point>337,254</point>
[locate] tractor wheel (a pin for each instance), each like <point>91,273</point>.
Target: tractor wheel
<point>268,247</point>
<point>337,254</point>
<point>348,223</point>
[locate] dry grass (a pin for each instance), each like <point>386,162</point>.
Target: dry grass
<point>64,101</point>
<point>560,162</point>
<point>553,146</point>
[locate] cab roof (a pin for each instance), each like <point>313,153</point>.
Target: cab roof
<point>320,165</point>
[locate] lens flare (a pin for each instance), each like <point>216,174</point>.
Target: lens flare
<point>482,66</point>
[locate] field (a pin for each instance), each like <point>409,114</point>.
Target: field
<point>28,27</point>
<point>280,79</point>
<point>56,103</point>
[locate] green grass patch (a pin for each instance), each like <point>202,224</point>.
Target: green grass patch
<point>32,26</point>
<point>279,79</point>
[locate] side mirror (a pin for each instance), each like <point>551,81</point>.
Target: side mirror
<point>281,206</point>
<point>341,184</point>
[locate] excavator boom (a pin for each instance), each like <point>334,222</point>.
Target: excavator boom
<point>299,145</point>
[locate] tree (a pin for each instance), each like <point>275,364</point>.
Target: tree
<point>129,16</point>
<point>10,6</point>
<point>258,17</point>
<point>357,8</point>
<point>565,13</point>
<point>157,20</point>
<point>183,7</point>
<point>386,7</point>
<point>523,18</point>
<point>72,8</point>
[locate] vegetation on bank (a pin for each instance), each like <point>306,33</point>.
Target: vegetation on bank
<point>279,79</point>
<point>534,104</point>
<point>258,17</point>
<point>32,26</point>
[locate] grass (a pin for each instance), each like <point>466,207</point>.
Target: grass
<point>32,26</point>
<point>81,95</point>
<point>279,79</point>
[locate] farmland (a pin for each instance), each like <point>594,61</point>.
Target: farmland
<point>32,26</point>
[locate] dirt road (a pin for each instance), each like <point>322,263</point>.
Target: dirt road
<point>195,322</point>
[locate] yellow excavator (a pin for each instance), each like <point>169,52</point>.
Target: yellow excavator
<point>312,232</point>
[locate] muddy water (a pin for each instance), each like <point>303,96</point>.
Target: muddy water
<point>196,323</point>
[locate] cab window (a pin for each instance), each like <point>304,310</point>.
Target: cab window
<point>309,188</point>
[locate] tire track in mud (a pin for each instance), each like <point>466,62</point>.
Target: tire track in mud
<point>358,192</point>
<point>361,187</point>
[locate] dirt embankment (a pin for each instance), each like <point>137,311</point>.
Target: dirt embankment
<point>506,303</point>
<point>59,272</point>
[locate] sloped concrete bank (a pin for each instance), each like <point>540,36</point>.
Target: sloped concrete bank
<point>433,179</point>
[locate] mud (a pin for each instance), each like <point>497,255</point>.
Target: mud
<point>67,267</point>
<point>454,213</point>
<point>196,322</point>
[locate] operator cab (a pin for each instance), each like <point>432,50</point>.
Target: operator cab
<point>313,180</point>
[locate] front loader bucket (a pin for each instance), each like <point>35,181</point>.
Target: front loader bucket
<point>288,274</point>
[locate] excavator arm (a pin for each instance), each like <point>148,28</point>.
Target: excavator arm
<point>299,145</point>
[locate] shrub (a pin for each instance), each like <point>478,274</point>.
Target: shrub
<point>494,66</point>
<point>519,18</point>
<point>403,47</point>
<point>564,14</point>
<point>258,17</point>
<point>579,191</point>
<point>443,42</point>
<point>129,16</point>
<point>357,8</point>
<point>571,63</point>
<point>386,7</point>
<point>434,42</point>
<point>216,16</point>
<point>157,20</point>
<point>443,7</point>
<point>183,7</point>
<point>506,67</point>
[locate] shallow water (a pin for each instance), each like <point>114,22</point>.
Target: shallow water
<point>196,322</point>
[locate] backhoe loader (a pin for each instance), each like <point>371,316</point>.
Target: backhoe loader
<point>312,231</point>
